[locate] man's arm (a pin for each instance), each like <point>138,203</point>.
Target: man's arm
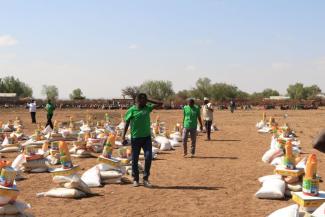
<point>200,121</point>
<point>127,124</point>
<point>156,104</point>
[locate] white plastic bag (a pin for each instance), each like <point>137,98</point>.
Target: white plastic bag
<point>92,177</point>
<point>290,211</point>
<point>271,189</point>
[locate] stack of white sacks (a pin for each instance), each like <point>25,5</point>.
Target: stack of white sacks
<point>277,186</point>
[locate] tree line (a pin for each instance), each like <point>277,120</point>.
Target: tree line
<point>164,91</point>
<point>10,84</point>
<point>204,87</point>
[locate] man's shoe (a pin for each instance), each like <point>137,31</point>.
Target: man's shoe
<point>135,184</point>
<point>147,184</point>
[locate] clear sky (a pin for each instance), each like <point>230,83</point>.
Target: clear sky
<point>102,46</point>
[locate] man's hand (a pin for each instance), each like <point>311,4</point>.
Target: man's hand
<point>124,141</point>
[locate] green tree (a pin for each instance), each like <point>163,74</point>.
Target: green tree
<point>77,94</point>
<point>203,88</point>
<point>11,84</point>
<point>50,92</point>
<point>296,91</point>
<point>270,92</point>
<point>311,92</point>
<point>131,92</point>
<point>183,94</point>
<point>160,90</point>
<point>223,91</point>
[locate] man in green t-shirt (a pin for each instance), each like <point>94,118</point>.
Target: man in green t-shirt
<point>191,115</point>
<point>138,116</point>
<point>50,111</point>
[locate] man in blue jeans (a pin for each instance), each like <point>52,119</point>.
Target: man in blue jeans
<point>138,116</point>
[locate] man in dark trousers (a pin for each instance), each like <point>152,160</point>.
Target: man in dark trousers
<point>207,113</point>
<point>191,116</point>
<point>32,109</point>
<point>138,116</point>
<point>50,111</point>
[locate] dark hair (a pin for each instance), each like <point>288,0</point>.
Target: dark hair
<point>141,95</point>
<point>191,101</point>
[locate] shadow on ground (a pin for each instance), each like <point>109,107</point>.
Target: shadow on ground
<point>212,157</point>
<point>188,188</point>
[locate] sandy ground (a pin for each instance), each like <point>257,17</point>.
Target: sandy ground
<point>220,181</point>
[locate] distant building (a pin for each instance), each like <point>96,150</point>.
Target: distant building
<point>278,97</point>
<point>321,95</point>
<point>8,98</point>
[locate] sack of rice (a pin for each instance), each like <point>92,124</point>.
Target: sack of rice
<point>63,193</point>
<point>271,189</point>
<point>15,208</point>
<point>92,177</point>
<point>112,174</point>
<point>271,154</point>
<point>112,181</point>
<point>290,211</point>
<point>320,212</point>
<point>9,149</point>
<point>176,136</point>
<point>72,181</point>
<point>28,166</point>
<point>175,143</point>
<point>264,178</point>
<point>164,143</point>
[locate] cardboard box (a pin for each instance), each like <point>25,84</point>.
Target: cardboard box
<point>308,203</point>
<point>281,170</point>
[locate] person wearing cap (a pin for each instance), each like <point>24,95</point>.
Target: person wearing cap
<point>207,113</point>
<point>138,116</point>
<point>191,116</point>
<point>32,110</point>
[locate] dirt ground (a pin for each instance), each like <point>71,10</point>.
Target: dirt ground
<point>220,181</point>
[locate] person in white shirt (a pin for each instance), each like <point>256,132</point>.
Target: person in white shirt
<point>32,109</point>
<point>207,112</point>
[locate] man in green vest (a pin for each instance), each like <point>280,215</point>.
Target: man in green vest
<point>191,116</point>
<point>138,116</point>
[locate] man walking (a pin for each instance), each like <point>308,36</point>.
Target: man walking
<point>32,109</point>
<point>50,111</point>
<point>138,116</point>
<point>191,114</point>
<point>207,113</point>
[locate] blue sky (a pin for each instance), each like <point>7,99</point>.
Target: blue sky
<point>102,46</point>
